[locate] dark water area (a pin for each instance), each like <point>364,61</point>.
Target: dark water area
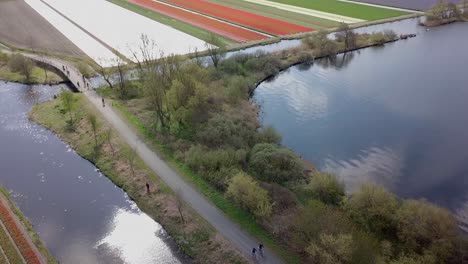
<point>409,4</point>
<point>393,115</point>
<point>80,215</point>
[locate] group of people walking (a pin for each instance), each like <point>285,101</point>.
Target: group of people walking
<point>259,250</point>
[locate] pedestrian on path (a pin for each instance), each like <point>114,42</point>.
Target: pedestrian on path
<point>254,253</point>
<point>260,249</point>
<point>103,103</point>
<point>147,188</point>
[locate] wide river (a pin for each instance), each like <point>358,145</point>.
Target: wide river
<point>80,215</point>
<point>394,115</point>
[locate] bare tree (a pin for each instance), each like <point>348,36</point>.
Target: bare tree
<point>119,64</point>
<point>108,138</point>
<point>180,204</point>
<point>21,64</point>
<point>156,73</point>
<point>130,155</point>
<point>347,35</point>
<point>216,49</point>
<point>94,127</point>
<point>105,72</point>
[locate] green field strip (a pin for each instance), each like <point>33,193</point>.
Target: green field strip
<point>283,15</point>
<point>344,9</point>
<point>174,23</point>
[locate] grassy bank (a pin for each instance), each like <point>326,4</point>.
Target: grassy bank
<point>194,236</point>
<point>9,251</point>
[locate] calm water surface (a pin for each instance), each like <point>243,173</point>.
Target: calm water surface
<point>396,115</point>
<point>79,214</point>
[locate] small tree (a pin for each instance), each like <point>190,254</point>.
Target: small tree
<point>69,104</point>
<point>21,64</point>
<point>216,49</point>
<point>321,44</point>
<point>94,127</point>
<point>130,155</point>
<point>180,205</point>
<point>346,34</point>
<point>105,72</point>
<point>248,194</point>
<point>108,137</point>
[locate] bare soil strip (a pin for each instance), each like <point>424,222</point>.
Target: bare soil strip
<point>23,27</point>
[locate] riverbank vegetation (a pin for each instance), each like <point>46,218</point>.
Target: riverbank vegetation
<point>444,13</point>
<point>200,119</point>
<point>18,68</point>
<point>94,140</point>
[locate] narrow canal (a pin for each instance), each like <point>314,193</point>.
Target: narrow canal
<point>80,215</point>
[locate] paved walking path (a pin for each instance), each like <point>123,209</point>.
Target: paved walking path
<point>231,231</point>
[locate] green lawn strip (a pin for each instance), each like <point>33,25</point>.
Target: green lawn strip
<point>29,228</point>
<point>9,248</point>
<point>174,23</point>
<point>283,15</point>
<point>344,8</point>
<point>244,219</point>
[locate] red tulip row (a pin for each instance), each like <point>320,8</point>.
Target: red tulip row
<point>21,242</point>
<point>221,28</point>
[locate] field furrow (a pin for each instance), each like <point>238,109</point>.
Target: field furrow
<point>254,21</point>
<point>219,27</point>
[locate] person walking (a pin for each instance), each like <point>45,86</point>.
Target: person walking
<point>103,103</point>
<point>254,253</point>
<point>147,188</point>
<point>260,249</point>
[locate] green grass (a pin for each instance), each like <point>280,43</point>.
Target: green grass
<point>287,16</point>
<point>345,9</point>
<point>239,216</point>
<point>179,25</point>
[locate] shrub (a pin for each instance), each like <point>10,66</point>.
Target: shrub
<point>215,166</point>
<point>228,130</point>
<point>423,227</point>
<point>271,163</point>
<point>326,188</point>
<point>247,193</point>
<point>268,134</point>
<point>389,34</point>
<point>373,208</point>
<point>377,39</point>
<point>84,69</point>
